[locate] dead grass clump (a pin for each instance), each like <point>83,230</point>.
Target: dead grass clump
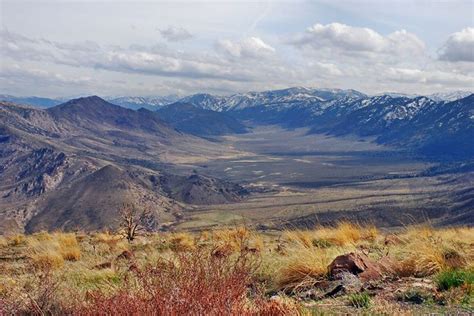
<point>346,233</point>
<point>50,251</point>
<point>205,236</point>
<point>111,241</point>
<point>47,260</point>
<point>68,246</point>
<point>426,251</point>
<point>181,242</point>
<point>17,240</point>
<point>303,267</point>
<point>45,257</point>
<point>343,234</point>
<point>370,233</point>
<point>233,238</point>
<point>304,238</point>
<point>196,282</point>
<point>3,241</point>
<point>42,236</point>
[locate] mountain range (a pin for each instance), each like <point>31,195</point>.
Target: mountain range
<point>442,129</point>
<point>71,165</point>
<point>214,102</point>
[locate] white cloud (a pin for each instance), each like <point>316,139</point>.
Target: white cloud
<point>176,34</point>
<point>459,46</point>
<point>251,47</point>
<point>350,39</point>
<point>429,77</point>
<point>134,59</point>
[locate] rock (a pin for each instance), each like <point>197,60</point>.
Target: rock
<point>370,274</point>
<point>356,264</point>
<point>126,254</point>
<point>388,265</point>
<point>347,283</point>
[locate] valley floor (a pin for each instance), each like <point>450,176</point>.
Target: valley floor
<point>298,180</point>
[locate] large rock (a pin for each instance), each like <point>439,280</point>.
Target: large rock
<point>357,264</point>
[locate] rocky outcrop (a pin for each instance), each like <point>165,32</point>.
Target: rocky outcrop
<point>356,264</point>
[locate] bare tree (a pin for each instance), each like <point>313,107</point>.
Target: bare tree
<point>132,221</point>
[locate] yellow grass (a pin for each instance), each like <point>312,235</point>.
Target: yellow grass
<point>3,241</point>
<point>181,241</point>
<point>343,234</point>
<point>291,260</point>
<point>50,250</point>
<point>234,239</point>
<point>426,251</point>
<point>303,267</point>
<point>17,240</point>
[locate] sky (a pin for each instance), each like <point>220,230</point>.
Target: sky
<point>67,48</point>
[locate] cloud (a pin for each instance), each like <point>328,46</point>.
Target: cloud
<point>251,47</point>
<point>16,74</point>
<point>459,46</point>
<point>230,65</point>
<point>176,34</point>
<point>157,61</point>
<point>432,77</point>
<point>350,39</point>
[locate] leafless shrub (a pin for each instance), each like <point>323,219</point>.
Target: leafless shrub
<point>195,283</point>
<point>132,221</point>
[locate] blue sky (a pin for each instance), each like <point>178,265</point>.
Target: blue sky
<point>68,48</point>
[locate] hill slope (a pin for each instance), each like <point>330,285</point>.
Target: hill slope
<point>72,165</point>
<point>197,121</point>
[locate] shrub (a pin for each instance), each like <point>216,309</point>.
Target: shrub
<point>39,296</point>
<point>454,278</point>
<point>196,282</point>
<point>360,300</point>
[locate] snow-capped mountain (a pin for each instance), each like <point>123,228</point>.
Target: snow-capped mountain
<point>419,123</point>
<point>426,124</point>
<point>151,103</point>
<point>449,96</point>
<point>277,99</point>
<point>206,101</point>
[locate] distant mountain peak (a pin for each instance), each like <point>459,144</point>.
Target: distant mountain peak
<point>450,96</point>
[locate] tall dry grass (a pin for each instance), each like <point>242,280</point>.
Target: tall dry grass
<point>51,250</point>
<point>343,234</point>
<point>425,251</point>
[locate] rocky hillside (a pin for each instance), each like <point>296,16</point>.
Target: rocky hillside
<point>73,165</point>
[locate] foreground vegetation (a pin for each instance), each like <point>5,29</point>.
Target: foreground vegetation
<point>239,271</point>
